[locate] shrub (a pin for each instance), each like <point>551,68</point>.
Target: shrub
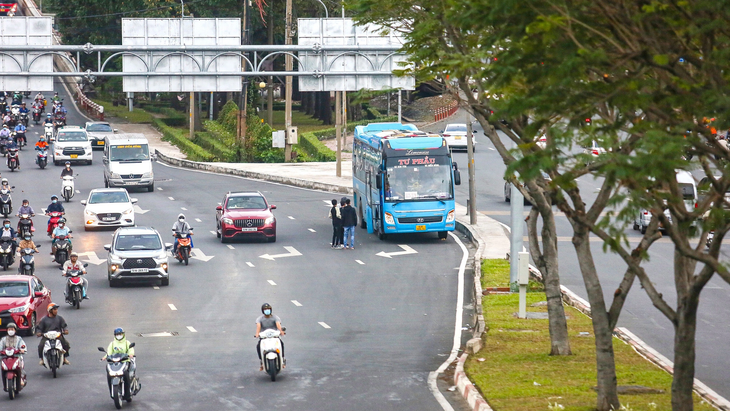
<point>315,148</point>
<point>179,138</point>
<point>221,151</point>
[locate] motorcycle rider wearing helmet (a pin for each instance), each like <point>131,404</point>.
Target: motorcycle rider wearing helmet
<point>67,171</point>
<point>52,322</point>
<point>5,185</point>
<point>268,321</point>
<point>41,145</point>
<point>55,96</point>
<point>61,109</point>
<point>14,340</point>
<point>60,231</point>
<point>25,209</point>
<point>55,206</point>
<point>8,232</point>
<point>5,132</point>
<point>74,265</point>
<point>23,108</point>
<point>48,120</point>
<point>40,97</point>
<point>26,242</point>
<point>181,226</point>
<point>120,345</point>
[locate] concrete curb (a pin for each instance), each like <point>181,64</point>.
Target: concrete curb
<point>296,182</point>
<point>467,389</point>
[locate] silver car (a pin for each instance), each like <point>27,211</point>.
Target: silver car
<point>137,253</point>
<point>97,130</point>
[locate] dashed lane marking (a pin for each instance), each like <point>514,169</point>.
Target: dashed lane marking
<point>171,199</point>
<point>155,288</point>
<point>291,218</point>
<point>172,307</point>
<point>312,230</point>
<point>297,303</point>
<point>324,325</point>
<point>327,203</point>
<point>200,221</point>
<point>183,208</point>
<point>192,330</point>
<point>78,192</point>
<point>271,282</point>
<point>250,264</point>
<point>359,262</point>
<point>159,188</point>
<point>230,246</point>
<point>214,233</point>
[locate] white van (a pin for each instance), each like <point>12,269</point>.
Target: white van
<point>687,187</point>
<point>127,162</point>
<point>71,143</point>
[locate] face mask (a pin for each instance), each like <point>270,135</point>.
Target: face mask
<point>27,238</point>
<point>11,333</point>
<point>119,337</point>
<point>7,225</point>
<point>54,201</point>
<point>182,220</point>
<point>59,226</point>
<point>25,205</point>
<point>267,312</point>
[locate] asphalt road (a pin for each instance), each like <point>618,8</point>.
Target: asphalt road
<point>639,315</point>
<point>364,331</point>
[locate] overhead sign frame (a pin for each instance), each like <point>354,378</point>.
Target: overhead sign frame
<point>26,31</point>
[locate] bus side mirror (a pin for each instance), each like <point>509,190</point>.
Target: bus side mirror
<point>457,177</point>
<point>379,181</point>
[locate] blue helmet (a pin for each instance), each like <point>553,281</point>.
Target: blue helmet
<point>117,332</point>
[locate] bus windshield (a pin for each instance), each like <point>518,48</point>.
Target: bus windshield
<point>418,178</point>
<point>129,152</point>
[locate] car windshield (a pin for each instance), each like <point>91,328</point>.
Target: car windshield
<point>108,197</point>
<point>106,128</point>
<point>129,242</point>
<point>14,289</point>
<point>455,128</point>
<point>129,152</point>
<point>71,136</point>
<point>418,178</point>
<point>688,192</point>
<point>246,203</point>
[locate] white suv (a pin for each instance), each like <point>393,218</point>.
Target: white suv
<point>71,143</point>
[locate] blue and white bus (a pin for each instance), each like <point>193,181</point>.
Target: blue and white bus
<point>403,180</point>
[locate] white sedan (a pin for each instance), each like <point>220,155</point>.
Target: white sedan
<point>108,207</point>
<point>455,136</point>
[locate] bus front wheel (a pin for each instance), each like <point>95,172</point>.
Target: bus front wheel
<point>443,234</point>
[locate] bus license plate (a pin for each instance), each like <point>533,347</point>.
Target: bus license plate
<point>140,270</point>
<point>420,228</point>
<point>74,156</point>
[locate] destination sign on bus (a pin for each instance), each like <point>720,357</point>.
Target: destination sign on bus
<point>129,146</point>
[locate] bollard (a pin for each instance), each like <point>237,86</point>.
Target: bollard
<point>467,206</point>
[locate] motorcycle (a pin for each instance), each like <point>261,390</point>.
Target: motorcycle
<point>117,365</point>
<point>271,352</point>
<point>12,371</point>
<point>183,245</point>
<point>53,352</point>
<point>24,119</point>
<point>3,105</point>
<point>13,160</point>
<point>67,188</point>
<point>53,222</point>
<point>15,112</point>
<point>6,202</point>
<point>48,131</point>
<point>20,139</point>
<point>7,257</point>
<point>59,122</point>
<point>75,287</point>
<point>37,115</point>
<point>42,158</point>
<point>27,261</point>
<point>63,248</point>
<point>25,226</point>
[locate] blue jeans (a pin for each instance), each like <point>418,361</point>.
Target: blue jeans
<point>350,236</point>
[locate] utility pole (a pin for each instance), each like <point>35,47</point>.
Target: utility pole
<point>472,182</point>
<point>517,206</point>
<point>191,105</point>
<point>289,67</point>
<point>270,85</point>
<point>400,117</point>
<point>338,130</point>
<point>243,101</point>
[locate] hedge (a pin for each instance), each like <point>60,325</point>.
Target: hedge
<point>315,148</point>
<point>179,138</point>
<point>221,151</point>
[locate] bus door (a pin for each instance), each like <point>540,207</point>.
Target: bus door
<point>373,202</point>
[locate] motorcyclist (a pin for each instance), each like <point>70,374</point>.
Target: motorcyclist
<point>40,97</point>
<point>55,206</point>
<point>38,104</point>
<point>11,144</point>
<point>60,231</point>
<point>5,132</point>
<point>4,185</point>
<point>56,97</point>
<point>53,322</point>
<point>17,97</point>
<point>48,120</point>
<point>181,226</point>
<point>120,345</point>
<point>20,130</point>
<point>14,340</point>
<point>61,109</point>
<point>8,232</point>
<point>74,265</point>
<point>41,145</point>
<point>67,171</point>
<point>26,242</point>
<point>23,108</point>
<point>26,209</point>
<point>268,321</point>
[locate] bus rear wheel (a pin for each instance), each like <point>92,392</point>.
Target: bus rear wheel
<point>363,223</point>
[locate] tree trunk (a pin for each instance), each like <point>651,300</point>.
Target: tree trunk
<point>317,105</point>
<point>605,363</point>
<point>685,327</point>
<point>326,109</point>
<point>309,98</point>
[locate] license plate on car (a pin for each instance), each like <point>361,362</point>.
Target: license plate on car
<point>74,156</point>
<point>457,137</point>
<point>420,227</point>
<point>248,229</point>
<point>100,142</point>
<point>108,219</point>
<point>140,270</point>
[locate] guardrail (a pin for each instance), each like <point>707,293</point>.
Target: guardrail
<point>83,102</point>
<point>444,112</point>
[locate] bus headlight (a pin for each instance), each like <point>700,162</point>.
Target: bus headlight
<point>450,216</point>
<point>389,219</point>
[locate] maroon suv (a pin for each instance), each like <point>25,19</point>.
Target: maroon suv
<point>245,215</point>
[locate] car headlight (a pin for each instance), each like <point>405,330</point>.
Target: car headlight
<point>58,153</point>
<point>21,309</point>
<point>227,220</point>
<point>115,175</point>
<point>129,211</point>
<point>147,175</point>
<point>450,216</point>
<point>90,213</point>
<point>270,220</point>
<point>389,219</point>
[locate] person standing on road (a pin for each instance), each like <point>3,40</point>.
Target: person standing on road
<point>349,221</point>
<point>336,218</point>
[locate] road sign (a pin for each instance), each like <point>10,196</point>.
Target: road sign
<point>292,252</point>
<point>25,31</point>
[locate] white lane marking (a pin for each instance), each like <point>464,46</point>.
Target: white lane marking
<point>491,148</point>
<point>78,192</point>
<point>155,288</point>
<point>324,325</point>
<point>159,188</point>
<point>433,375</point>
<point>230,246</point>
<point>312,230</point>
<point>297,303</point>
<point>250,264</point>
<point>198,254</point>
<point>359,262</point>
<point>183,208</point>
<point>214,233</point>
<point>292,253</point>
<point>192,330</point>
<point>406,250</point>
<point>328,203</point>
<point>92,258</point>
<point>200,221</point>
<point>171,199</point>
<point>138,209</point>
<point>172,307</point>
<point>271,282</point>
<point>291,218</point>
